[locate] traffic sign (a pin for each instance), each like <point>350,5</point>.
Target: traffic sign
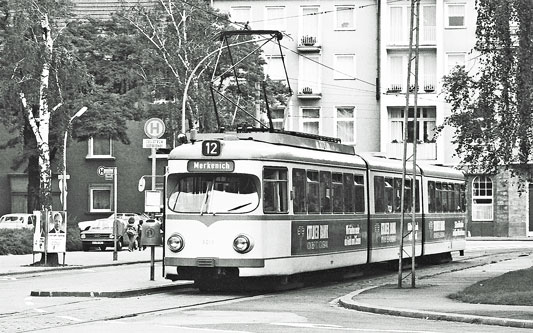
<point>100,171</point>
<point>154,143</point>
<point>154,128</point>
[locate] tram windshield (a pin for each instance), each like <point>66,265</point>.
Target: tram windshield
<point>212,194</point>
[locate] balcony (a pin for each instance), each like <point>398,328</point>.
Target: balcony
<point>309,93</point>
<point>424,151</point>
<point>308,44</point>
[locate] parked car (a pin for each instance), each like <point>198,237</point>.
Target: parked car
<point>99,233</point>
<point>17,221</point>
<point>85,225</point>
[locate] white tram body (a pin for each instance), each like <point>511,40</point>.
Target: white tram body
<point>272,204</point>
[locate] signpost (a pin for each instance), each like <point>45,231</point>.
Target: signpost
<point>154,128</point>
<point>110,173</point>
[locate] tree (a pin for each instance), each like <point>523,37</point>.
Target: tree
<point>176,38</point>
<point>491,109</point>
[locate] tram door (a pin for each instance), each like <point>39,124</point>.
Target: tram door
<point>530,231</point>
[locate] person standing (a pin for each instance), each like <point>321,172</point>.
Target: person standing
<point>140,236</point>
<point>131,231</point>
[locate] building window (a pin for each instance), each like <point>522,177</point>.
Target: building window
<point>241,15</point>
<point>100,198</point>
<point>399,25</point>
<point>275,18</point>
<point>310,120</point>
<point>429,24</point>
<point>396,73</point>
<point>100,147</point>
<point>426,120</point>
<point>274,68</point>
<point>344,67</point>
<point>345,17</point>
<point>309,80</point>
<point>455,59</point>
<point>309,24</point>
<point>455,15</point>
<point>346,124</point>
<point>278,116</point>
<point>482,202</point>
<point>429,72</point>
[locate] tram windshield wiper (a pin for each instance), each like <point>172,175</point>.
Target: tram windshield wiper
<point>239,207</point>
<point>208,190</point>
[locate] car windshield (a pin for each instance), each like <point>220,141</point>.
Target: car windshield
<point>11,218</point>
<point>211,194</point>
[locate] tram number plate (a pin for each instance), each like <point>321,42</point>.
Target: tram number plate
<point>211,148</point>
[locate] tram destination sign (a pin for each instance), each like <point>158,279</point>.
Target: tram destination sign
<point>210,166</point>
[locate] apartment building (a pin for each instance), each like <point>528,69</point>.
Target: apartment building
<point>330,52</point>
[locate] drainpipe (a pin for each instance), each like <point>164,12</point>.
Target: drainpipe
<point>378,83</point>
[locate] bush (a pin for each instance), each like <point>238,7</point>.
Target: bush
<point>16,241</point>
<point>20,241</point>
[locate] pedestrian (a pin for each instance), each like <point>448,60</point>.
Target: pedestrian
<point>131,231</point>
<point>140,235</point>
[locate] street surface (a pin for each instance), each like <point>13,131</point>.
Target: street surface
<point>310,309</point>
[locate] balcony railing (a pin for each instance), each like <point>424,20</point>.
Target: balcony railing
<point>424,151</point>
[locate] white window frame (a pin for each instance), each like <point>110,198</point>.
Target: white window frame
<point>304,120</point>
<point>340,72</point>
<point>269,62</point>
<point>403,29</point>
<point>100,187</point>
<point>447,16</point>
<point>396,117</point>
<point>276,23</point>
<point>304,77</point>
<point>344,119</point>
<point>237,19</point>
<point>448,62</point>
<point>482,211</point>
<point>303,26</point>
<point>425,29</point>
<point>90,149</point>
<point>345,7</point>
<point>393,73</point>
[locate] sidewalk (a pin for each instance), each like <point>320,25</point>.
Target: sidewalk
<point>133,279</point>
<point>429,299</point>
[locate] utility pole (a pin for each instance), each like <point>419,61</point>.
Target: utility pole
<point>414,33</point>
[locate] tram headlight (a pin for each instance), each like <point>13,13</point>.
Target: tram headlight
<point>175,243</point>
<point>242,244</point>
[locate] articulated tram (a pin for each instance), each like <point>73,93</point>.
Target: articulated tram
<point>278,205</point>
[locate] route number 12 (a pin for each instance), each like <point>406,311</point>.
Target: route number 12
<point>211,148</point>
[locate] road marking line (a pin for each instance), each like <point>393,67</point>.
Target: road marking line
<point>69,318</point>
<point>40,310</point>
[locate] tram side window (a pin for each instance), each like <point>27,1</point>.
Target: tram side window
<point>431,196</point>
<point>445,198</point>
<point>312,192</point>
<point>397,200</point>
<point>438,197</point>
<point>338,192</point>
<point>275,190</point>
<point>383,194</point>
<point>349,191</point>
<point>325,192</point>
<point>359,182</point>
<point>298,191</point>
<point>457,196</point>
<point>463,198</point>
<point>388,195</point>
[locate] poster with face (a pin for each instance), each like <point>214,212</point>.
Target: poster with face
<point>50,232</point>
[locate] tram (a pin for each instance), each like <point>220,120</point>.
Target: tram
<point>278,205</point>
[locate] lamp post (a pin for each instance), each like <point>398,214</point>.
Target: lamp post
<point>64,180</point>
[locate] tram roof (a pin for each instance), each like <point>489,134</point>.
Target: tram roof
<point>267,146</point>
<point>439,171</point>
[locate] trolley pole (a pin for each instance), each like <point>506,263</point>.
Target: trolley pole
<point>414,29</point>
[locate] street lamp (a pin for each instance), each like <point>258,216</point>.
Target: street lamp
<point>63,184</point>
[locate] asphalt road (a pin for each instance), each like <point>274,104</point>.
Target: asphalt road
<point>309,309</point>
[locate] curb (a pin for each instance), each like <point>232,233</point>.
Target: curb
<point>349,303</point>
<point>46,269</point>
<point>110,294</point>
